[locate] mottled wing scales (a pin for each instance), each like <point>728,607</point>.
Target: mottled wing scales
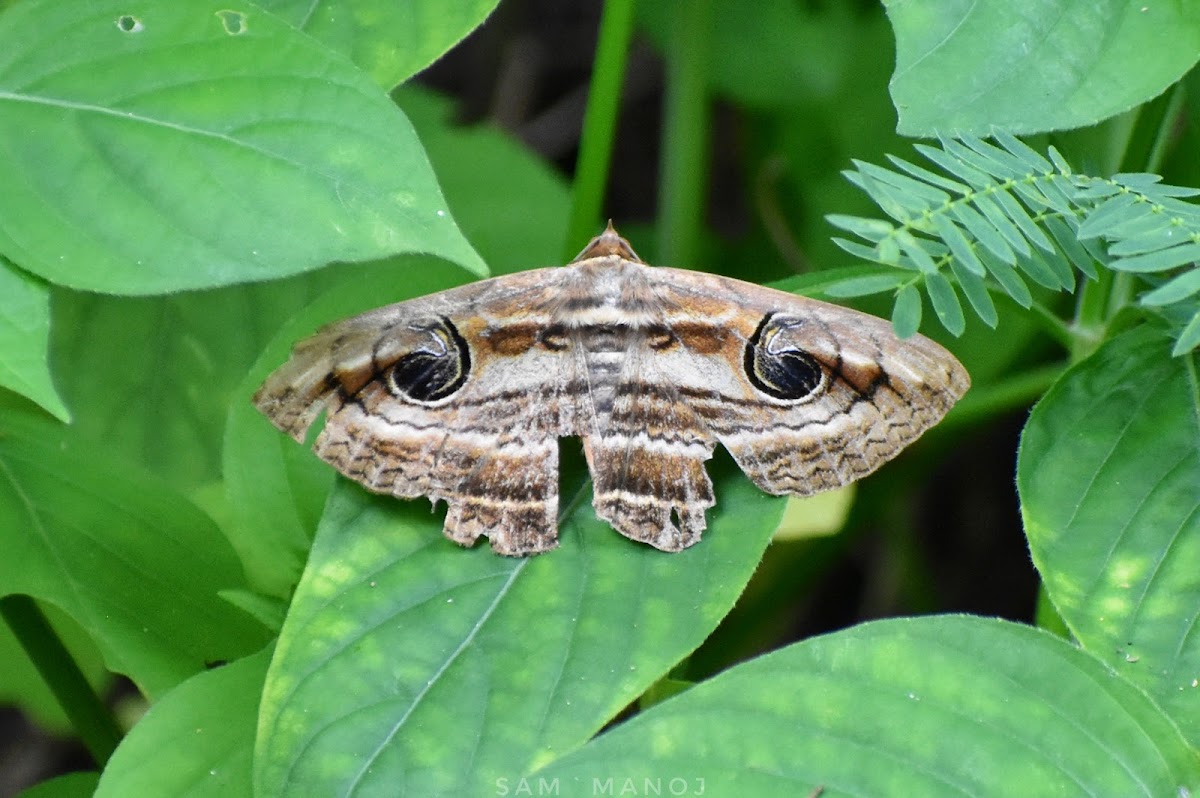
<point>851,397</point>
<point>871,410</point>
<point>461,396</point>
<point>413,410</point>
<point>647,460</point>
<point>500,485</point>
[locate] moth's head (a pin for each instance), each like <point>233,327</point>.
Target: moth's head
<point>607,244</point>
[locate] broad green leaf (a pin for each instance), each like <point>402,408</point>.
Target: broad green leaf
<point>187,145</point>
<point>938,706</point>
<point>72,785</point>
<point>409,666</point>
<point>115,548</point>
<point>1108,472</point>
<point>1027,66</point>
<point>154,378</point>
<point>390,39</point>
<point>197,741</point>
<point>24,339</point>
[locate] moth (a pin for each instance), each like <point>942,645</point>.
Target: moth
<point>461,396</point>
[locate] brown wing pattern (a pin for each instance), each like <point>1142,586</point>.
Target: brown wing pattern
<point>434,397</point>
<point>461,396</point>
<point>806,396</point>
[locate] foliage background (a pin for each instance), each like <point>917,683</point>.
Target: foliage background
<point>165,529</point>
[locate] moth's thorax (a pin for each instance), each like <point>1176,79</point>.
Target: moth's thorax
<point>610,291</point>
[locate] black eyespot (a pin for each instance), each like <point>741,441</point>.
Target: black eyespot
<point>777,368</point>
<point>435,370</point>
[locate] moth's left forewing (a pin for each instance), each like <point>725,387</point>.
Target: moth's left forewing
<point>805,395</point>
<point>447,396</point>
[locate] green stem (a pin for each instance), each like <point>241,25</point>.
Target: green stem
<point>1053,325</point>
<point>685,135</point>
<point>87,713</point>
<point>599,124</point>
<point>1091,313</point>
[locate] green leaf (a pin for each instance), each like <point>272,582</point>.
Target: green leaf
<point>1069,244</point>
<point>1004,226</point>
<point>227,147</point>
<point>72,785</point>
<point>872,230</point>
<point>408,665</point>
<point>983,230</point>
<point>1028,67</point>
<point>1175,289</point>
<point>1022,151</point>
<point>1020,216</point>
<point>1189,339</point>
<point>1009,280</point>
<point>25,339</point>
<point>975,290</point>
<point>1107,473</point>
<point>1161,260</point>
<point>864,286</point>
<point>1152,232</point>
<point>927,195</point>
<point>392,41</point>
<point>197,741</point>
<point>915,249</point>
<point>932,178</point>
<point>937,707</point>
<point>945,303</point>
<point>1113,212</point>
<point>906,314</point>
<point>117,550</point>
<point>964,252</point>
<point>975,178</point>
<point>883,254</point>
<point>153,378</point>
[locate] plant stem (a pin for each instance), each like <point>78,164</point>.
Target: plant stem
<point>599,124</point>
<point>88,714</point>
<point>685,136</point>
